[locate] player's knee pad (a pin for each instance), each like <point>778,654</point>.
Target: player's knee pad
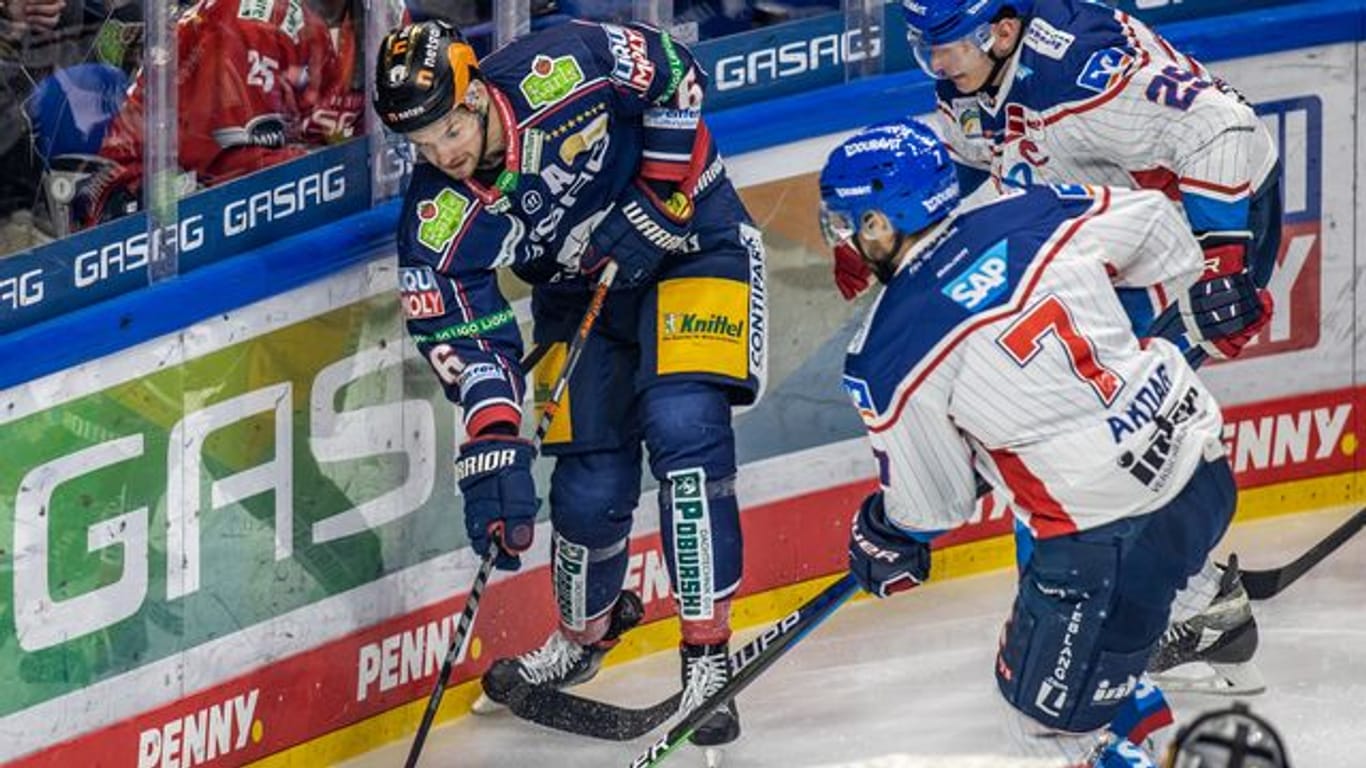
<point>692,454</point>
<point>1048,661</point>
<point>592,498</point>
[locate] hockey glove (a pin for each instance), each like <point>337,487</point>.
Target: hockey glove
<point>638,233</point>
<point>852,275</point>
<point>883,559</point>
<point>1224,309</point>
<point>494,474</point>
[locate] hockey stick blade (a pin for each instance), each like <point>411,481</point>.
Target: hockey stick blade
<point>1261,585</point>
<point>581,716</point>
<point>768,648</point>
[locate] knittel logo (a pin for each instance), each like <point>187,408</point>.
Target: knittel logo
<point>714,327</point>
<point>441,219</point>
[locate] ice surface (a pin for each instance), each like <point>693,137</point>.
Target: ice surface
<point>913,674</point>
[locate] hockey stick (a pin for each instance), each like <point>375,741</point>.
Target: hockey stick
<point>1261,585</point>
<point>564,711</point>
<point>462,629</point>
<point>769,647</point>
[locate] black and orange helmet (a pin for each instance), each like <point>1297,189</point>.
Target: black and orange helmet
<point>422,72</point>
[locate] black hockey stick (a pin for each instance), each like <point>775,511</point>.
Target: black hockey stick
<point>1261,585</point>
<point>568,712</point>
<point>780,638</point>
<point>462,629</point>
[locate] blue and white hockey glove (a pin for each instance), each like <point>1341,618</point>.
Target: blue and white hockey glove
<point>1224,309</point>
<point>494,473</point>
<point>883,559</point>
<point>638,233</point>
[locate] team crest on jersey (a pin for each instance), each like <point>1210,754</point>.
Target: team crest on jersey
<point>420,294</point>
<point>550,80</point>
<point>440,219</point>
<point>862,397</point>
<point>1104,69</point>
<point>983,282</point>
<point>970,121</point>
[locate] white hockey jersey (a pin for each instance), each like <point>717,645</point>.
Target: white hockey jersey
<point>1000,345</point>
<point>1094,96</point>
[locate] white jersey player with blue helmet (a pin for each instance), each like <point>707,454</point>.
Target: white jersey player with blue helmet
<point>1068,91</point>
<point>999,348</point>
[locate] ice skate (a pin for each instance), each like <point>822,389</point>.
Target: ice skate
<point>706,668</point>
<point>559,662</point>
<point>1222,639</point>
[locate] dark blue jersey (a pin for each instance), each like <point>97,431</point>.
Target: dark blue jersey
<point>587,109</point>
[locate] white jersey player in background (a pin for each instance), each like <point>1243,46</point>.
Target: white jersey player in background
<point>999,347</point>
<point>1067,91</point>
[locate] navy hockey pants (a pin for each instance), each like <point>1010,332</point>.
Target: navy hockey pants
<point>1092,605</point>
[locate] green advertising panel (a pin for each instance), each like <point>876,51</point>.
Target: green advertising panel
<point>198,494</point>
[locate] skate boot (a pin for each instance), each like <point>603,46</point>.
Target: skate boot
<point>560,662</point>
<point>706,668</point>
<point>1223,637</point>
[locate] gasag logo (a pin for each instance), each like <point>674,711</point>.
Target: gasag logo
<point>440,219</point>
<point>983,282</point>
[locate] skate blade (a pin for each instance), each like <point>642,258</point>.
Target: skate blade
<point>486,706</point>
<point>713,756</point>
<point>1243,679</point>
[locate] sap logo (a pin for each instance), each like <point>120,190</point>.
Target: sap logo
<point>862,397</point>
<point>403,657</point>
<point>203,736</point>
<point>797,57</point>
<point>1104,69</point>
<point>982,282</point>
<point>1274,441</point>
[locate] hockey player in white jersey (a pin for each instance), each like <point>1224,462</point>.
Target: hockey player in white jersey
<point>1067,91</point>
<point>999,347</point>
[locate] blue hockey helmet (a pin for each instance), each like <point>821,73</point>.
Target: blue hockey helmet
<point>899,168</point>
<point>932,23</point>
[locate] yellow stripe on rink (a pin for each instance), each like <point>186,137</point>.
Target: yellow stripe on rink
<point>969,559</point>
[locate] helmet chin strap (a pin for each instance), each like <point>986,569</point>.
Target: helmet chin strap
<point>882,269</point>
<point>998,63</point>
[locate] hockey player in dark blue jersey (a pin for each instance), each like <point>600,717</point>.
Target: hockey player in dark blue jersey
<point>557,152</point>
<point>998,347</point>
<point>1073,92</point>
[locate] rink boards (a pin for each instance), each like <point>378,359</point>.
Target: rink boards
<point>236,539</point>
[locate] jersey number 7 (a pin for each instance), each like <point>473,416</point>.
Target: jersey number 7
<point>1024,339</point>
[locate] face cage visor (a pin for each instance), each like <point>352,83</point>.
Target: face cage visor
<point>955,56</point>
<point>836,226</point>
